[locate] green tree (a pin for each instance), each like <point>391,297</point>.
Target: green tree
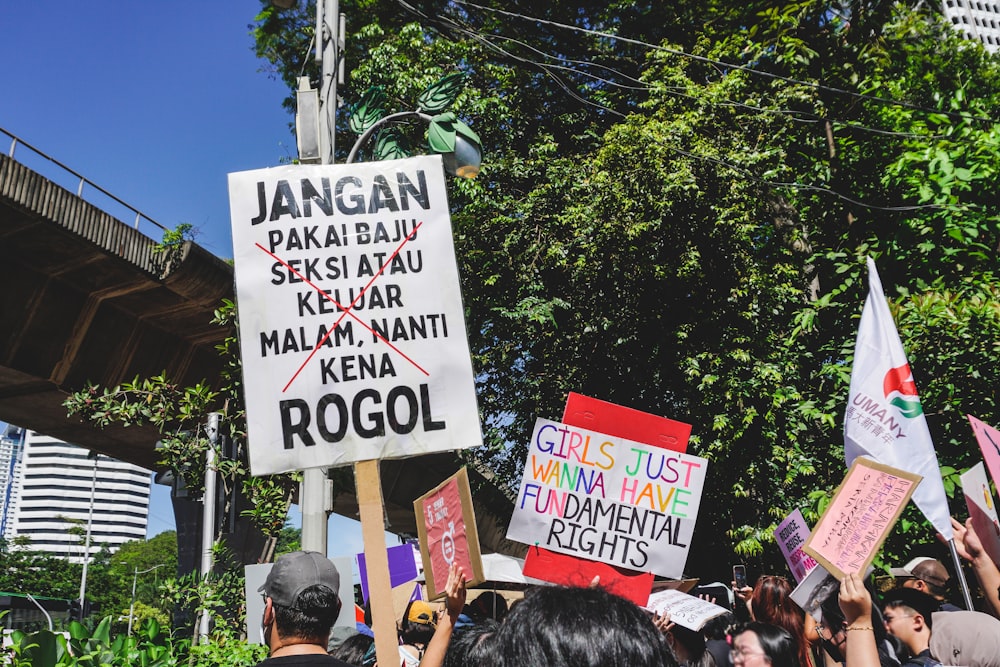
<point>674,212</point>
<point>155,561</point>
<point>25,571</point>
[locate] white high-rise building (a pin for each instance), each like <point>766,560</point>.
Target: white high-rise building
<point>978,19</point>
<point>11,445</point>
<point>60,488</point>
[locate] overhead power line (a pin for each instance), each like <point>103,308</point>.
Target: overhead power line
<point>735,66</point>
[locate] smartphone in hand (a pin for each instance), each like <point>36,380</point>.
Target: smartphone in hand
<point>740,576</point>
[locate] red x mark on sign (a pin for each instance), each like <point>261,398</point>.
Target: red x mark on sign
<point>347,311</point>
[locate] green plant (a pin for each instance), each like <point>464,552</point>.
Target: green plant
<point>170,250</point>
<point>150,646</point>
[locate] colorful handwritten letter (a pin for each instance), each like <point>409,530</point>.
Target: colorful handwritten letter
<point>608,499</point>
<point>857,521</point>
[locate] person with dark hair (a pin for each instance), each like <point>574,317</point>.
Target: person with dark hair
<point>908,614</point>
<point>415,631</point>
<point>770,601</point>
<point>688,645</point>
<point>557,626</point>
<point>353,649</point>
<point>471,646</point>
<point>757,644</point>
<point>927,575</point>
<point>849,616</point>
<point>301,604</point>
<point>716,642</point>
<point>489,604</point>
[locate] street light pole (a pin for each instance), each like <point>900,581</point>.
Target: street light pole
<point>315,496</point>
<point>86,544</point>
<point>135,578</point>
<point>208,513</point>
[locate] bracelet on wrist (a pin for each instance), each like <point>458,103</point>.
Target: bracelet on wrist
<point>858,627</point>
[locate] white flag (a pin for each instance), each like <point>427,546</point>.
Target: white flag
<point>884,419</point>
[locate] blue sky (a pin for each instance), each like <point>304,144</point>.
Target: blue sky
<point>156,102</point>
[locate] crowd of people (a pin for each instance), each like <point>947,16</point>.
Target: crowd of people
<point>913,624</point>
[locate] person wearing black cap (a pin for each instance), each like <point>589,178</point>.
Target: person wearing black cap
<point>301,604</point>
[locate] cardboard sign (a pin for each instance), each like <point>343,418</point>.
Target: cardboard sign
<point>982,509</point>
<point>685,610</point>
<point>989,442</point>
<point>613,500</point>
<point>864,509</point>
<point>446,525</point>
<point>791,535</point>
<point>352,330</point>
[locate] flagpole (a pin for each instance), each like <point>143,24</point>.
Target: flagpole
<point>960,573</point>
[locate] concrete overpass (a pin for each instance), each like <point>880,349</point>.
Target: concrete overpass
<point>84,300</point>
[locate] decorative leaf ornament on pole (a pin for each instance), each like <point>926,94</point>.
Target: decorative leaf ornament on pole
<point>448,136</point>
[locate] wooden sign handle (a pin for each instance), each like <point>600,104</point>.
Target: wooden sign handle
<point>372,509</point>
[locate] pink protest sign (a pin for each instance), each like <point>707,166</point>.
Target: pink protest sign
<point>791,535</point>
<point>446,525</point>
<point>989,442</point>
<point>864,509</point>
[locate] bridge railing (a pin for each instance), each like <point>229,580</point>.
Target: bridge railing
<point>84,186</point>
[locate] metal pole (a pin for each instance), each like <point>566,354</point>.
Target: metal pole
<point>208,513</point>
<point>327,32</point>
<point>86,545</point>
<point>131,607</point>
<point>47,617</point>
<point>960,573</point>
<point>314,509</point>
<point>313,492</point>
<point>135,577</point>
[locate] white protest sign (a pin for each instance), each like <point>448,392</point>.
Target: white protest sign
<point>352,331</point>
<point>685,610</point>
<point>982,509</point>
<point>791,534</point>
<point>608,499</point>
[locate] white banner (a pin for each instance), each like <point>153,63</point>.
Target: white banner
<point>352,331</point>
<point>884,418</point>
<point>608,499</point>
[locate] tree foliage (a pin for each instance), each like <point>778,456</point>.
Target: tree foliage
<point>674,211</point>
<point>180,414</point>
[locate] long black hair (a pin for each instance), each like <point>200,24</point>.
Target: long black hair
<point>578,627</point>
<point>777,643</point>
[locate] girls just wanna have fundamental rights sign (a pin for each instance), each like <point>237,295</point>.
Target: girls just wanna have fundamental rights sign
<point>608,499</point>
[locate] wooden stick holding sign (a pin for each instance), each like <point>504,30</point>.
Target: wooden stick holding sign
<point>372,510</point>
